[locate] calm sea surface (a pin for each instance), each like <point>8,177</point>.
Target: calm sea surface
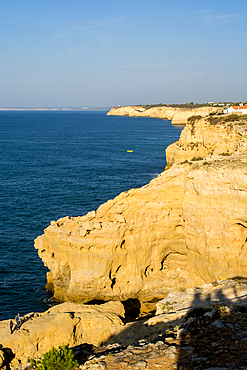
<point>63,164</point>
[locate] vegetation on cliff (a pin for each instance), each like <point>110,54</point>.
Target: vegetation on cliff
<point>234,118</point>
<point>56,359</point>
<point>185,105</point>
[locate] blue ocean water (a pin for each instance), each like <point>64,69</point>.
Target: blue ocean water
<point>56,164</point>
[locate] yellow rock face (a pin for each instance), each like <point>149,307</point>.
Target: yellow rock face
<point>67,323</point>
<point>201,138</point>
<point>178,116</point>
<point>185,228</point>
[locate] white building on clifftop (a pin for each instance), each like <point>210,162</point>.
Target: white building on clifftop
<point>242,109</point>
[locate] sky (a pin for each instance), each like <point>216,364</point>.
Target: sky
<point>109,52</point>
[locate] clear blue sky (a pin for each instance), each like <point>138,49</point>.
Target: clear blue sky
<point>100,52</point>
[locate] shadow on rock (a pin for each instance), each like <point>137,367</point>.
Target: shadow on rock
<point>200,328</point>
<point>214,335</point>
<point>6,356</point>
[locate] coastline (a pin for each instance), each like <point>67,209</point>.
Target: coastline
<point>54,109</point>
<point>188,244</point>
<point>127,171</point>
<point>107,246</point>
<point>178,116</point>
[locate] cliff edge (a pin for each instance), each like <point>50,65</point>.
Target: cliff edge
<point>177,115</point>
<point>185,228</point>
<point>213,135</point>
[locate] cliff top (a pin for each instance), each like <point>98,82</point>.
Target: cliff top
<point>214,119</point>
<point>179,105</point>
<point>177,113</point>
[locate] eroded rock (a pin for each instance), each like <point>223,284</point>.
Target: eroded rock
<point>67,323</point>
<point>185,228</point>
<point>200,138</point>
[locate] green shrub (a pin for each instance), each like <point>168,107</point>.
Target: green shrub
<point>232,117</point>
<point>167,306</point>
<point>196,159</point>
<point>215,283</point>
<point>222,308</point>
<point>213,120</point>
<point>192,119</point>
<point>240,118</point>
<point>57,359</point>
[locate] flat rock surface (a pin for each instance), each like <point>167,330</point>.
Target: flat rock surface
<point>223,291</point>
<point>207,328</point>
<point>203,345</point>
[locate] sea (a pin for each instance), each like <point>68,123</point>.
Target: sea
<point>64,163</point>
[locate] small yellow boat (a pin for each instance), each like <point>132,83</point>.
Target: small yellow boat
<point>129,151</point>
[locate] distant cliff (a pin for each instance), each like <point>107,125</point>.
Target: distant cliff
<point>186,227</point>
<point>178,116</point>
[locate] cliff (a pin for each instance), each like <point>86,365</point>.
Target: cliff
<point>209,136</point>
<point>178,116</point>
<point>185,228</point>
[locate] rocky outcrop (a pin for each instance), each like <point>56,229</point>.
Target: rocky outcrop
<point>187,327</point>
<point>209,136</point>
<point>178,115</point>
<point>213,336</point>
<point>65,323</point>
<point>178,305</point>
<point>205,328</point>
<point>185,228</point>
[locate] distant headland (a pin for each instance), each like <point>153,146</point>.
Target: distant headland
<point>177,113</point>
<point>62,109</point>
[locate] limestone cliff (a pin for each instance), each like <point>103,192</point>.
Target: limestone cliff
<point>178,116</point>
<point>209,136</point>
<point>186,227</point>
